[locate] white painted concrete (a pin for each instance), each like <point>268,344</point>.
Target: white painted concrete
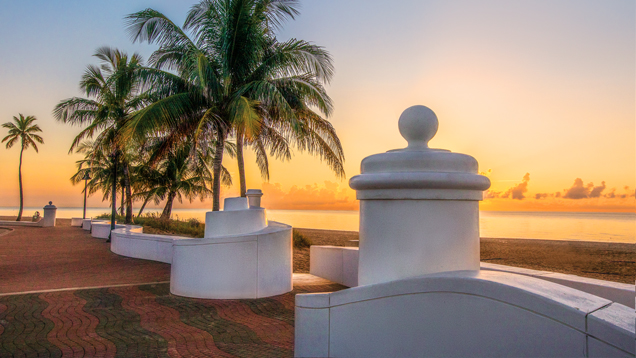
<point>77,221</point>
<point>48,219</point>
<point>422,292</point>
<point>86,224</point>
<point>614,291</point>
<point>244,266</point>
<point>329,262</point>
<point>233,204</point>
<point>238,222</point>
<point>459,314</point>
<point>101,230</point>
<point>419,210</point>
<point>335,263</point>
<point>132,242</point>
<point>254,197</point>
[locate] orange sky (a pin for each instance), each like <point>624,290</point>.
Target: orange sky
<point>539,87</point>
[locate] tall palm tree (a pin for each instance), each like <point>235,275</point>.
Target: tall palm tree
<point>25,131</point>
<point>234,78</point>
<point>115,87</point>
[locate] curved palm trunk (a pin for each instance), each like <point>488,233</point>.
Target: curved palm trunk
<point>20,180</point>
<point>143,205</point>
<point>241,162</point>
<point>129,203</point>
<point>167,211</point>
<point>216,168</point>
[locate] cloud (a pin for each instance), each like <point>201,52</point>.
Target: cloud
<point>517,191</point>
<point>597,191</point>
<point>541,195</point>
<point>329,196</point>
<point>578,190</point>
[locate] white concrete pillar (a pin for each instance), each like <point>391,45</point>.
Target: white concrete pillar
<point>419,210</point>
<point>49,215</point>
<point>254,197</point>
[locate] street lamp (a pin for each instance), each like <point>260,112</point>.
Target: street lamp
<point>113,157</point>
<point>86,178</point>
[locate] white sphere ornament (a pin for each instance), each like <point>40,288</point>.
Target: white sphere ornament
<point>418,125</point>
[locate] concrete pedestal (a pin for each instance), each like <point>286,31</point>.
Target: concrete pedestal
<point>408,238</point>
<point>48,219</point>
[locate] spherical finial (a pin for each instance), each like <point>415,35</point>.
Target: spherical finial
<point>418,125</point>
<point>50,203</point>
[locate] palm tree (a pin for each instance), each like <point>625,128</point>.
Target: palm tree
<point>234,77</point>
<point>115,87</point>
<point>24,130</point>
<point>100,167</point>
<point>182,173</point>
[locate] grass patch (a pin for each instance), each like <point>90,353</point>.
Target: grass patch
<point>300,240</point>
<point>190,228</point>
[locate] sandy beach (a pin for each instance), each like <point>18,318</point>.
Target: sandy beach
<point>605,261</point>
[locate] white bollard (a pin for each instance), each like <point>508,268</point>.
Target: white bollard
<point>254,197</point>
<point>419,211</point>
<point>48,219</point>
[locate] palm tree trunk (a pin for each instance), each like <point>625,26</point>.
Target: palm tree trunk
<point>216,168</point>
<point>167,211</point>
<point>241,161</point>
<point>129,208</point>
<point>121,208</point>
<point>20,180</point>
<point>143,205</point>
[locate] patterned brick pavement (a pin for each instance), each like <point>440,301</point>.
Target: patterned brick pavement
<point>147,321</point>
<point>136,320</point>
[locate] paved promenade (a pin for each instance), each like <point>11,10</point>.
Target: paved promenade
<point>136,316</point>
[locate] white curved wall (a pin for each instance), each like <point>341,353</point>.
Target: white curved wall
<point>247,266</point>
<point>219,224</point>
<point>101,230</point>
<point>462,314</point>
<point>134,243</point>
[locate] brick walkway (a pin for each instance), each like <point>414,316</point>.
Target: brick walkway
<point>135,320</point>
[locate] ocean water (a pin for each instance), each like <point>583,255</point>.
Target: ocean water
<point>600,227</point>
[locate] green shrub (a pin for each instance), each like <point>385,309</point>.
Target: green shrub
<point>300,240</point>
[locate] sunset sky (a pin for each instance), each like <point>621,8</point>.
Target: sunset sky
<point>541,92</point>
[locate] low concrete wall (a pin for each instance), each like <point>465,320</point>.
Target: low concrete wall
<point>77,221</point>
<point>101,230</point>
<point>335,263</point>
<point>21,223</point>
<point>462,314</point>
<point>617,292</point>
<point>246,266</point>
<point>339,264</point>
<point>134,243</point>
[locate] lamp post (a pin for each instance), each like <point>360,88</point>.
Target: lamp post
<point>113,214</point>
<point>87,176</point>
